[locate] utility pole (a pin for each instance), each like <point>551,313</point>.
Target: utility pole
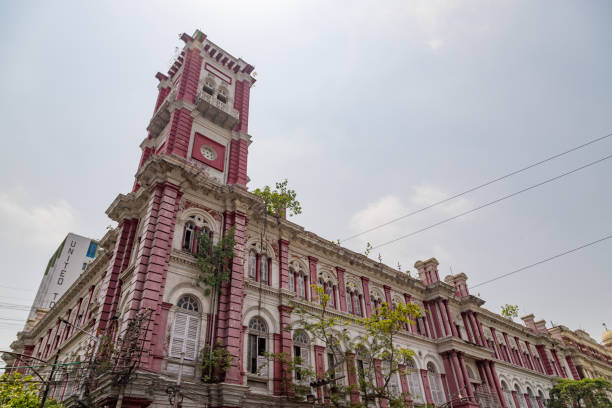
<point>48,383</point>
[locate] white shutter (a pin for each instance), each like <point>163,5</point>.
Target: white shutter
<point>177,340</point>
<point>414,383</point>
<point>191,338</point>
<point>262,366</point>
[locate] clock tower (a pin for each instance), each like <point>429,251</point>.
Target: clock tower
<point>202,111</point>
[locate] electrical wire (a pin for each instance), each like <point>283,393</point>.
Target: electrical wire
<point>573,149</point>
<point>444,221</point>
<point>542,261</point>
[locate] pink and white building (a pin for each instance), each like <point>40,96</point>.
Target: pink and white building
<point>192,177</point>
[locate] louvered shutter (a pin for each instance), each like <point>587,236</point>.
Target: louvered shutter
<point>414,383</point>
<point>177,341</point>
<point>191,338</point>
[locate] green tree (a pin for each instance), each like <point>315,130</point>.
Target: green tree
<point>17,391</point>
<point>215,267</point>
<point>587,393</point>
<point>377,348</point>
<point>380,352</point>
<point>509,311</point>
<point>280,201</point>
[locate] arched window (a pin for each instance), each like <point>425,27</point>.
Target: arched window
<point>414,381</point>
<point>435,384</point>
<point>252,264</point>
<point>189,236</point>
<point>520,397</point>
<point>301,351</point>
<point>264,269</point>
<point>301,285</point>
<point>330,290</point>
<point>222,95</point>
<point>257,347</point>
<point>349,300</point>
<point>185,329</point>
<point>292,275</point>
<point>209,86</point>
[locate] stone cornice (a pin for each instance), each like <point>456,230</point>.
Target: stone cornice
<point>450,343</point>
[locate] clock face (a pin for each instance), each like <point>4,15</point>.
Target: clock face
<point>208,153</point>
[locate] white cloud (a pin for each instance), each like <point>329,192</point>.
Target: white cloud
<point>40,226</point>
<point>426,194</point>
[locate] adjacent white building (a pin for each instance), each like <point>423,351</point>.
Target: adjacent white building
<point>66,264</point>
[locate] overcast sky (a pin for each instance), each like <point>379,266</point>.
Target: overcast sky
<point>370,109</point>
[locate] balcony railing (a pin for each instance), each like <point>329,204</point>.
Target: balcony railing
<point>216,110</point>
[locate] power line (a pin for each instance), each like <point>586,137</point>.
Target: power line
<point>477,187</point>
<point>542,261</point>
<point>444,221</point>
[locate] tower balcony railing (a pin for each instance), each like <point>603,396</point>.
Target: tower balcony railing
<point>217,111</point>
<point>161,117</point>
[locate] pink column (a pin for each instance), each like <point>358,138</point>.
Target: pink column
<point>544,358</point>
<point>518,348</point>
<point>341,289</point>
<point>110,282</point>
<point>429,319</point>
<point>404,383</point>
<point>283,264</point>
<point>474,327</point>
<point>365,282</point>
<point>147,285</point>
<point>426,387</point>
<point>558,363</point>
<point>230,302</point>
<point>539,400</point>
<point>467,327</point>
<point>285,339</point>
<point>450,377</point>
<point>387,290</point>
<point>319,368</point>
<point>312,265</point>
<point>380,381</point>
<point>445,318</point>
<point>432,311</point>
<point>480,330</point>
<point>498,353</point>
<point>407,300</point>
<point>570,363</point>
<point>352,377</point>
<point>459,375</point>
<point>466,378</point>
<point>515,398</point>
<point>526,396</point>
<point>500,391</point>
<point>512,357</point>
<point>450,318</point>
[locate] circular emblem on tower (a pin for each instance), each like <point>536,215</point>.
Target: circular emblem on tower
<point>208,152</point>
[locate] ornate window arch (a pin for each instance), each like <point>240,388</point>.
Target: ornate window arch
<point>435,383</point>
<point>194,225</point>
<point>184,337</point>
<point>354,299</point>
<point>209,85</point>
<point>259,265</point>
<point>414,380</point>
<point>301,350</point>
<point>298,280</point>
<point>257,345</point>
<point>376,299</point>
<point>329,288</point>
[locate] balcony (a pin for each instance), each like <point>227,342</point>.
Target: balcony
<point>161,117</point>
<point>215,110</point>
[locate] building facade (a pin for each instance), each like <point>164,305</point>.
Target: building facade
<point>70,259</point>
<point>192,178</point>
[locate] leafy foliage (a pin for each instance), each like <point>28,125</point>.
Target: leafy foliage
<point>280,200</point>
<point>588,393</point>
<point>17,391</point>
<point>215,364</point>
<point>509,311</point>
<point>215,260</point>
<point>376,349</point>
<point>379,345</point>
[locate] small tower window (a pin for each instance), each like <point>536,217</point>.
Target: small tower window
<point>222,95</point>
<point>189,236</point>
<point>209,87</point>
